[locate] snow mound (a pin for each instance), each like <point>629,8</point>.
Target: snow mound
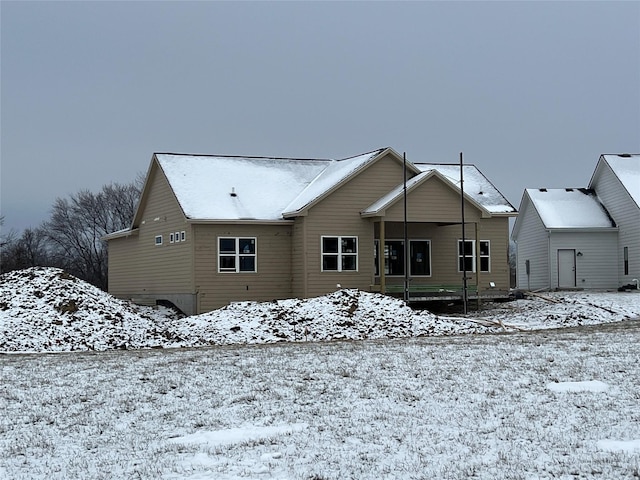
<point>44,309</point>
<point>347,314</point>
<point>47,310</point>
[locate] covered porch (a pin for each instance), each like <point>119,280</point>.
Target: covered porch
<point>436,260</point>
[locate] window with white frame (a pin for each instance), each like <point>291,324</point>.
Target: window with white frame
<point>158,239</point>
<point>176,237</point>
<point>485,256</point>
<point>394,264</point>
<point>468,255</point>
<point>237,254</point>
<point>339,254</point>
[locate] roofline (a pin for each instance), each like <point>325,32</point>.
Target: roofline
<point>479,171</point>
<point>127,232</point>
<point>429,174</point>
<point>383,152</point>
<point>582,229</point>
<point>246,221</point>
<point>252,157</point>
<point>602,160</point>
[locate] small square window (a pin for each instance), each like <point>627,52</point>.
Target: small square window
<point>158,239</point>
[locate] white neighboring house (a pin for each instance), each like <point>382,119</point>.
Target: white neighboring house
<point>582,237</point>
<point>616,180</point>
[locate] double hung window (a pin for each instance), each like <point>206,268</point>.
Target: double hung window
<point>237,254</point>
<point>467,255</point>
<point>339,254</point>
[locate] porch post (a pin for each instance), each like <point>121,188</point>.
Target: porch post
<point>381,257</point>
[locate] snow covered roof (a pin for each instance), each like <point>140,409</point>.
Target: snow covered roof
<point>233,188</point>
<point>210,187</point>
<point>476,186</point>
<point>333,175</point>
<point>569,208</point>
<point>627,169</point>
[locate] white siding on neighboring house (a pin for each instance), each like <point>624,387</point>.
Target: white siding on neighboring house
<point>532,246</point>
<point>596,262</point>
<point>625,212</point>
<point>572,224</point>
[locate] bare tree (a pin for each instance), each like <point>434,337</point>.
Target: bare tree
<point>28,250</point>
<point>77,225</point>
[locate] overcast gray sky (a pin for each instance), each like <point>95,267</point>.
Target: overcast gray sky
<point>532,93</point>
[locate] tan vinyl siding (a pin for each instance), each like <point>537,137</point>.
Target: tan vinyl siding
<point>272,279</point>
<point>433,201</point>
<point>137,266</point>
<point>299,255</point>
<point>339,215</point>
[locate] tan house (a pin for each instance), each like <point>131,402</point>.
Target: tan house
<point>210,230</point>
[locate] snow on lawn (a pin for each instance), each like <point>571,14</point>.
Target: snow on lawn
<point>47,310</point>
<point>404,402</point>
<point>471,406</point>
<point>584,386</point>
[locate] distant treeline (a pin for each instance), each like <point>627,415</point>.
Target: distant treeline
<point>71,238</point>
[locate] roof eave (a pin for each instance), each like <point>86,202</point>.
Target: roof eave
<point>240,221</point>
<point>128,232</point>
<point>581,229</point>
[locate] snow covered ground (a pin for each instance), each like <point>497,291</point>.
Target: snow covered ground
<point>46,310</point>
<point>415,400</point>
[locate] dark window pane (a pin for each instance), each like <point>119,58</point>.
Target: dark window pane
<point>484,248</point>
<point>468,262</point>
<point>484,264</point>
<point>394,258</point>
<point>420,258</point>
<point>247,264</point>
<point>349,262</point>
<point>247,245</point>
<point>330,262</point>
<point>349,245</point>
<point>228,263</point>
<point>468,247</point>
<point>330,245</point>
<point>227,245</point>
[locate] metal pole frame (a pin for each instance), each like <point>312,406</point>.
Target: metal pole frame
<point>464,255</point>
<point>406,239</point>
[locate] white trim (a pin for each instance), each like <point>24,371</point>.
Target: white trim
<point>339,254</point>
<point>237,254</point>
